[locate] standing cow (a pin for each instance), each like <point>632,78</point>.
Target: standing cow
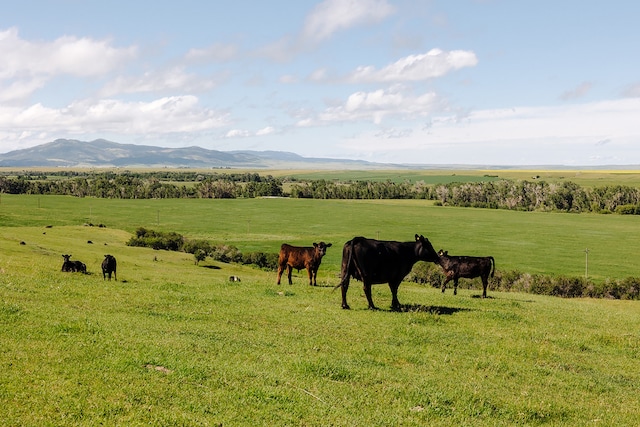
<point>297,257</point>
<point>376,261</point>
<point>468,267</point>
<point>108,267</point>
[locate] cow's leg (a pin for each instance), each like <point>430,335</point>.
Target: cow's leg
<point>485,283</point>
<point>455,286</point>
<point>344,285</point>
<point>289,271</point>
<point>395,304</point>
<point>310,274</point>
<point>280,270</point>
<point>444,284</point>
<point>367,292</point>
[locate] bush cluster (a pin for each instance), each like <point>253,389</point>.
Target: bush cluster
<point>201,249</point>
<point>540,284</point>
<point>169,241</point>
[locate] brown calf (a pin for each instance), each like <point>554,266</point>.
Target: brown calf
<point>297,257</point>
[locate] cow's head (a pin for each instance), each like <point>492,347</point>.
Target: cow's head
<point>443,253</point>
<point>66,257</point>
<point>321,248</point>
<point>424,249</point>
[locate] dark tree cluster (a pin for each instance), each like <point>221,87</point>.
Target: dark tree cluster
<point>499,194</point>
<point>540,195</point>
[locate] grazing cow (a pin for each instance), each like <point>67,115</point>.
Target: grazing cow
<point>234,279</point>
<point>73,266</point>
<point>108,267</point>
<point>297,257</point>
<point>466,267</point>
<point>375,261</point>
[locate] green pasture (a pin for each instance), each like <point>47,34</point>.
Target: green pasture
<point>174,343</point>
<point>530,242</point>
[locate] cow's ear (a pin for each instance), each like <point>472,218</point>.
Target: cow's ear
<point>315,245</point>
<point>329,245</point>
<point>417,237</point>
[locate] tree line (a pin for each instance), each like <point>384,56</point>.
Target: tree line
<point>501,194</point>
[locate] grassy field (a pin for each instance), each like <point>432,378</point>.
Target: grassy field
<point>172,343</point>
<point>531,242</point>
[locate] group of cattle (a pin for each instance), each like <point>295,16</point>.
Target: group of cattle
<point>369,260</point>
<point>109,265</point>
<point>377,261</point>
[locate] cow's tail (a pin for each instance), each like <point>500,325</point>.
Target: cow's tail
<point>345,272</point>
<point>493,265</point>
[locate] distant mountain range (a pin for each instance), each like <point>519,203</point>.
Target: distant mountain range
<point>70,153</point>
<point>102,153</point>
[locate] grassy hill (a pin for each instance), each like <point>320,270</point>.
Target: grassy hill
<point>172,343</point>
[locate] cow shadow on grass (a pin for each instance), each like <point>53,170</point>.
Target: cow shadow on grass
<point>432,309</point>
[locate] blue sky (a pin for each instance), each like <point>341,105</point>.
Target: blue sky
<point>477,82</point>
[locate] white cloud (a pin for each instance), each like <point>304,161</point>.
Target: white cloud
<point>288,79</point>
<point>376,105</point>
<point>632,91</point>
<point>20,89</point>
<point>237,133</point>
<point>578,92</point>
<point>161,116</point>
<point>435,63</point>
<point>326,19</point>
<point>243,133</point>
<point>331,16</point>
<point>82,57</point>
<point>575,134</point>
<point>217,52</point>
<point>265,131</point>
<point>159,81</point>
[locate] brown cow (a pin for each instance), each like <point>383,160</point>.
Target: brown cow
<point>297,257</point>
<point>466,267</point>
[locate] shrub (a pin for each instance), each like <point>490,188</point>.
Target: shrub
<point>170,241</point>
<point>426,273</point>
<point>266,261</point>
<point>226,253</point>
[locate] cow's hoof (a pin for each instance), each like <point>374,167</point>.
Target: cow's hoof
<point>345,307</point>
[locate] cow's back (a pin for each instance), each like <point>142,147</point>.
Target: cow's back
<point>295,256</point>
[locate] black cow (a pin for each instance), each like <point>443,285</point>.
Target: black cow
<point>108,267</point>
<point>468,267</point>
<point>68,265</point>
<point>298,257</point>
<point>73,266</point>
<point>376,261</point>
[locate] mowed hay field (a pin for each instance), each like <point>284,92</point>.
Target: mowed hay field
<point>174,343</point>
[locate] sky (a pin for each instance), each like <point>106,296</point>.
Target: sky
<point>477,82</point>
